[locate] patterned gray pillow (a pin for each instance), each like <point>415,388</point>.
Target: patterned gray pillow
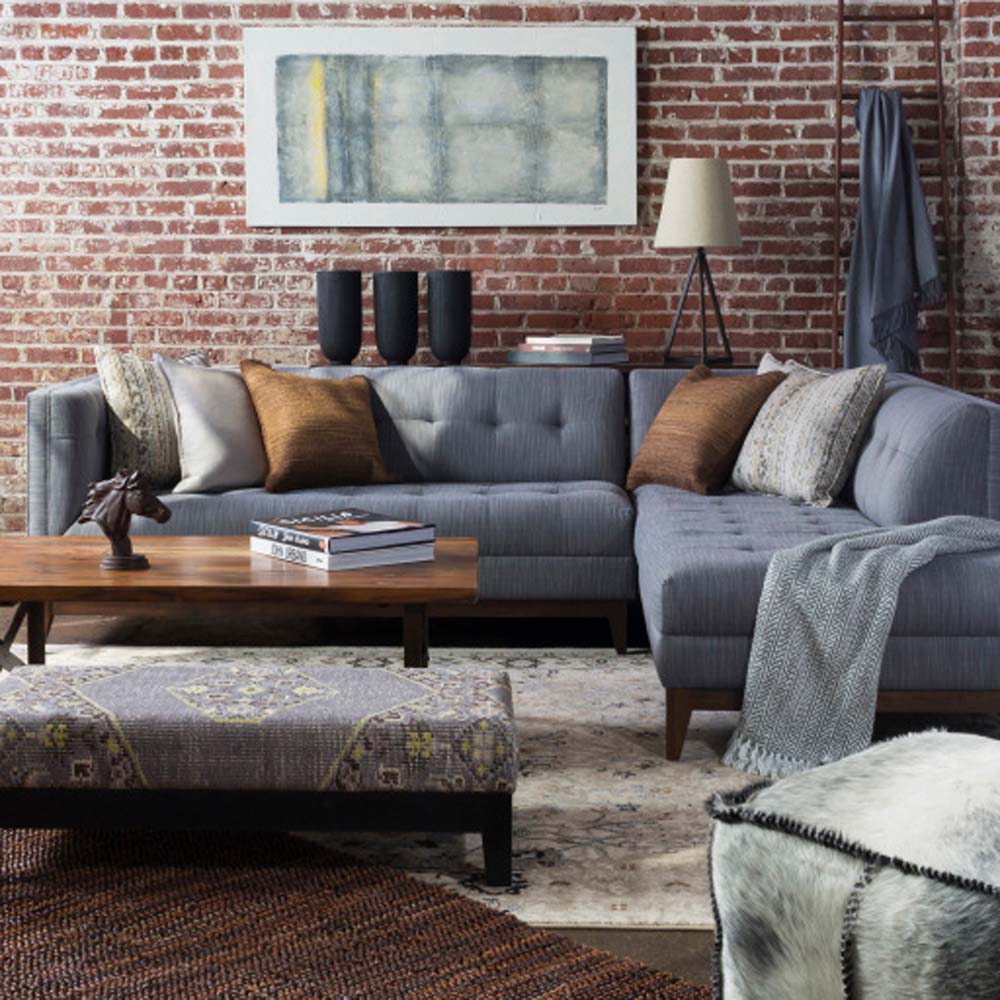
<point>141,414</point>
<point>806,436</point>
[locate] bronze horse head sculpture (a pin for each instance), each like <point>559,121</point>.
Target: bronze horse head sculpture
<point>110,504</point>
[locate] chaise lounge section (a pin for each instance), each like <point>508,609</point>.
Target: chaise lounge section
<point>702,559</point>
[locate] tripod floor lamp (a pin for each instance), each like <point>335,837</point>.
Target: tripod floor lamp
<point>698,212</point>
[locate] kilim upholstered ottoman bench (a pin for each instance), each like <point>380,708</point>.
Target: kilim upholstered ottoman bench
<point>241,746</point>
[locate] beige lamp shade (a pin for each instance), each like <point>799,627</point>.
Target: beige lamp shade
<point>698,207</point>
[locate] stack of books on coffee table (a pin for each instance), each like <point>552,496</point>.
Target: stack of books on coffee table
<point>570,349</point>
<point>342,539</point>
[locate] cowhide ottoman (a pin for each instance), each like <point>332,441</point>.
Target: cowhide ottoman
<point>875,878</point>
<point>307,747</point>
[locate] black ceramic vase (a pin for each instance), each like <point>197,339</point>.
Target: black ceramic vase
<point>449,314</point>
<point>338,306</point>
<point>396,315</point>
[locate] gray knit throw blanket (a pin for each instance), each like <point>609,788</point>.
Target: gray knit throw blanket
<point>822,625</point>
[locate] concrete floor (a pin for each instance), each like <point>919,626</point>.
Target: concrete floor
<point>687,954</point>
<point>684,953</point>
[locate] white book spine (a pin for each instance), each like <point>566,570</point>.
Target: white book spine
<point>368,558</point>
<point>574,338</point>
<point>290,553</point>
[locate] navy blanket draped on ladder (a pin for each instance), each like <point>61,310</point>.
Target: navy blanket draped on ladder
<point>894,263</point>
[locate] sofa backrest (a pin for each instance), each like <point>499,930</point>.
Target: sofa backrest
<point>500,425</point>
<point>930,451</point>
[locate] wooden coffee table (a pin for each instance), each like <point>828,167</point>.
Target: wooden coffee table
<point>192,571</point>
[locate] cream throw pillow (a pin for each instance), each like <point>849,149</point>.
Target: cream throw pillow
<point>218,435</point>
<point>769,363</point>
<point>805,438</point>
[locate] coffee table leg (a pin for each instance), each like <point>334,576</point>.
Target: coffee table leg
<point>39,623</point>
<point>415,635</point>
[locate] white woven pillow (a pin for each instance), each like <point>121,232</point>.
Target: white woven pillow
<point>806,436</point>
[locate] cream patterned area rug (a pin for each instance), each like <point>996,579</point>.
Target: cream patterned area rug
<point>607,833</point>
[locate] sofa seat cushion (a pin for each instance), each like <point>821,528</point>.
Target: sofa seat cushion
<point>567,541</point>
<point>702,562</point>
<point>509,519</point>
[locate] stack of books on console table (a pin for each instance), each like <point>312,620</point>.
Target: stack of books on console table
<point>570,349</point>
<point>343,539</point>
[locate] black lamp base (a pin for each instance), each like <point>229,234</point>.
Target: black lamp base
<point>700,261</point>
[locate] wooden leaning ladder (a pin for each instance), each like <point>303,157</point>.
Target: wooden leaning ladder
<point>936,94</point>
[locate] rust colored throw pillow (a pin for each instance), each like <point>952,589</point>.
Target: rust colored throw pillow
<point>695,439</point>
<point>316,431</point>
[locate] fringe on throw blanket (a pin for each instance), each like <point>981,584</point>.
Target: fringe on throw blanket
<point>823,621</point>
<point>890,330</point>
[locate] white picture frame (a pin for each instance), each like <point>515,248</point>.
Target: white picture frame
<point>606,55</point>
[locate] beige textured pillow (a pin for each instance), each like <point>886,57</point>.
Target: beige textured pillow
<point>141,414</point>
<point>806,436</point>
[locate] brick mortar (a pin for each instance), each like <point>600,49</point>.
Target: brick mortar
<point>121,227</point>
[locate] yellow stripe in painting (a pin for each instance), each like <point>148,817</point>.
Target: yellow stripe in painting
<point>316,124</point>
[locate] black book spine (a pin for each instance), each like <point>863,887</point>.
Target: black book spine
<point>288,536</point>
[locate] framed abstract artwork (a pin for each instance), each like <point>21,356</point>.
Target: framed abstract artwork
<point>379,127</point>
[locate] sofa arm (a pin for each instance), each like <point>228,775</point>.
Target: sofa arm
<point>67,450</point>
<point>930,452</point>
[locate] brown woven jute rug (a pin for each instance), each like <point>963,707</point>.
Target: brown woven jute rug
<point>192,916</point>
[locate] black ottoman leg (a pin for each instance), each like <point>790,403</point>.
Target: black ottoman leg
<point>415,653</point>
<point>498,840</point>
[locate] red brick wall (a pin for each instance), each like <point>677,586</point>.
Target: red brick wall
<point>121,189</point>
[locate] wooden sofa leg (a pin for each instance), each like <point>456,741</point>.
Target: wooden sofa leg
<point>618,623</point>
<point>679,708</point>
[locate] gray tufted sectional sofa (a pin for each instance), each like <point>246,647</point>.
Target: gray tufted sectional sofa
<point>532,462</point>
